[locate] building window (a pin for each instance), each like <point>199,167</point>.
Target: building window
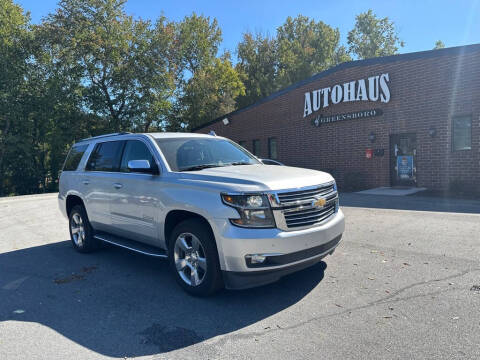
<point>272,148</point>
<point>462,133</point>
<point>256,147</point>
<point>243,143</point>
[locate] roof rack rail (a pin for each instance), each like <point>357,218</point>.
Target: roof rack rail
<point>105,135</point>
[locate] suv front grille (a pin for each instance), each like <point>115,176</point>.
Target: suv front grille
<point>305,217</point>
<point>304,195</point>
<point>297,209</point>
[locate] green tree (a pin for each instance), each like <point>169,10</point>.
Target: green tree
<point>14,54</point>
<point>305,47</point>
<point>198,39</point>
<point>439,45</point>
<point>211,92</point>
<point>56,103</point>
<point>341,55</point>
<point>373,37</point>
<point>257,65</point>
<point>121,63</point>
<point>206,85</point>
<point>301,48</point>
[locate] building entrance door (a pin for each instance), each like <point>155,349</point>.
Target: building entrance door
<point>403,152</point>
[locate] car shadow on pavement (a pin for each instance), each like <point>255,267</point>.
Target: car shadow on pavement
<point>122,304</point>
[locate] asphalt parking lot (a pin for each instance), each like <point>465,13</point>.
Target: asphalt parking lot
<point>404,284</point>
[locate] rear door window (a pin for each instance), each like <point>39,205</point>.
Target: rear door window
<point>106,156</point>
<point>74,156</point>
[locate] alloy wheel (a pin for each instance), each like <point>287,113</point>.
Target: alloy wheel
<point>78,230</point>
<point>190,260</point>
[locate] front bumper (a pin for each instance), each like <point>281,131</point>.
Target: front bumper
<point>249,279</point>
<point>287,251</point>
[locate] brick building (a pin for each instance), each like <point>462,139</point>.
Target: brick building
<point>410,119</point>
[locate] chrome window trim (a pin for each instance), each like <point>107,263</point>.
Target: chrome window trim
<point>125,137</point>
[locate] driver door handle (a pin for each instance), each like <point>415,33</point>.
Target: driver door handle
<point>117,185</point>
<point>86,182</point>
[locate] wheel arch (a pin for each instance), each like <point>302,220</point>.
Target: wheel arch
<point>174,217</point>
<point>72,200</point>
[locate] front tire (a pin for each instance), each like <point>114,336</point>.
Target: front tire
<point>81,232</point>
<point>193,258</point>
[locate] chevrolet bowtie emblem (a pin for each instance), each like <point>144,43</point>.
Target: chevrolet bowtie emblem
<point>319,202</point>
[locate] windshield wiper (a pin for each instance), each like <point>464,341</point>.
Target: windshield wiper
<point>199,167</point>
<point>239,163</point>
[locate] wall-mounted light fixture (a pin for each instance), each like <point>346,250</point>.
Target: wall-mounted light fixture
<point>432,132</point>
<point>372,137</point>
<point>226,121</point>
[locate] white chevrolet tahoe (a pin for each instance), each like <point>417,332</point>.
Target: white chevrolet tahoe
<point>220,216</point>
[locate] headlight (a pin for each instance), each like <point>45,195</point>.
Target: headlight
<point>337,202</point>
<point>254,210</point>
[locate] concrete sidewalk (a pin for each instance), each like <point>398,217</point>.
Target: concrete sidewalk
<point>415,203</point>
<point>392,191</point>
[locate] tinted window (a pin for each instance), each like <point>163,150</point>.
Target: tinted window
<point>462,133</point>
<point>183,153</point>
<point>106,156</point>
<point>136,150</point>
<point>74,157</point>
<point>256,147</point>
<point>272,148</point>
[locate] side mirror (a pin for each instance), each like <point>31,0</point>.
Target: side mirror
<point>271,162</point>
<point>141,166</point>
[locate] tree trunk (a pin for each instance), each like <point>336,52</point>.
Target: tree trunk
<point>2,151</point>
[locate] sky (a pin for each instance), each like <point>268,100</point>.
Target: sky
<point>419,23</point>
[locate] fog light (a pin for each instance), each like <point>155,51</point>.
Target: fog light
<point>256,258</point>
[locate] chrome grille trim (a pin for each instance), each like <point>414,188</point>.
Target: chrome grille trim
<point>285,198</point>
<point>306,204</point>
<point>295,209</point>
<point>307,213</point>
<point>289,214</point>
<point>313,219</point>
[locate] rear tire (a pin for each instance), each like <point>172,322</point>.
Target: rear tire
<point>193,258</point>
<point>81,232</point>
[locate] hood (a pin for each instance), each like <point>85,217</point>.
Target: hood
<point>258,177</point>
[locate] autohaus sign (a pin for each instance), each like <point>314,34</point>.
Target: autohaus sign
<point>374,88</point>
<point>320,119</point>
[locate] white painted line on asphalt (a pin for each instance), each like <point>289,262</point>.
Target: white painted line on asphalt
<point>14,285</point>
<point>35,197</point>
<point>389,191</point>
<point>413,211</point>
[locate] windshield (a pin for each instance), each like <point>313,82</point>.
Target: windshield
<point>188,154</point>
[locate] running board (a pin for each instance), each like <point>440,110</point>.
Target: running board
<point>131,245</point>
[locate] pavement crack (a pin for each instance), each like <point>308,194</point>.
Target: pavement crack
<point>385,300</point>
<point>401,290</point>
